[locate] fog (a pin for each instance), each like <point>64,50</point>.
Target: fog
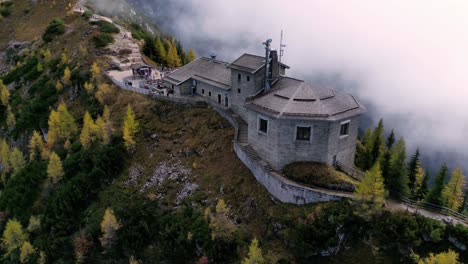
<point>406,60</point>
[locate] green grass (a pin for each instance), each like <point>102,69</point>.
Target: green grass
<point>319,174</point>
<point>103,39</point>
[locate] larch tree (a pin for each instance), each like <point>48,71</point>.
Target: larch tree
<point>371,190</point>
<point>59,86</point>
<point>103,93</point>
<point>190,55</point>
<point>39,67</point>
<point>67,124</point>
<point>435,194</point>
<point>17,161</point>
<point>453,192</point>
<point>26,252</point>
<point>47,56</point>
<point>11,120</point>
<point>219,222</point>
<point>398,176</point>
<point>66,76</point>
<point>13,236</point>
<point>130,128</point>
<point>53,135</point>
<point>412,170</point>
<point>109,227</point>
<point>54,168</point>
<point>34,224</point>
<point>95,71</point>
<point>86,136</point>
<point>35,146</point>
<point>449,257</point>
<point>161,54</point>
<point>101,131</point>
<point>64,58</point>
<point>5,156</point>
<point>4,94</point>
<point>173,60</point>
<point>89,87</point>
<point>107,120</point>
<point>255,254</point>
<point>82,243</point>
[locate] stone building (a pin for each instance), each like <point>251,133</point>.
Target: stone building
<point>288,120</point>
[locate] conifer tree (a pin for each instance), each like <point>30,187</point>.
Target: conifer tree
<point>173,60</point>
<point>67,125</point>
<point>449,257</point>
<point>87,131</point>
<point>219,222</point>
<point>89,87</point>
<point>378,142</point>
<point>47,56</point>
<point>13,236</point>
<point>26,251</point>
<point>39,67</point>
<point>17,160</point>
<point>82,244</point>
<point>255,254</point>
<point>371,189</point>
<point>11,120</point>
<point>453,192</point>
<point>64,58</point>
<point>435,194</point>
<point>54,169</point>
<point>34,224</point>
<point>424,188</point>
<point>95,71</point>
<point>390,140</point>
<point>191,55</point>
<point>59,86</point>
<point>35,146</point>
<point>4,94</point>
<point>101,131</point>
<point>106,117</point>
<point>5,156</point>
<point>161,54</point>
<point>130,128</point>
<point>109,227</point>
<point>103,93</point>
<point>398,177</point>
<point>385,164</point>
<point>463,208</point>
<point>66,76</point>
<point>412,170</point>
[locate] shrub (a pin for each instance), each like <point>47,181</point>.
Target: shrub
<point>107,27</point>
<point>87,14</point>
<point>55,28</point>
<point>5,12</point>
<point>102,40</point>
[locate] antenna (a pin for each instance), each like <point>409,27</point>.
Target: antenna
<point>281,47</point>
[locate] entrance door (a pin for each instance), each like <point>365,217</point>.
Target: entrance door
<point>226,101</point>
<point>219,99</point>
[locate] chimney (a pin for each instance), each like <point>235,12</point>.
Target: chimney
<point>213,56</point>
<point>267,44</point>
<point>274,66</point>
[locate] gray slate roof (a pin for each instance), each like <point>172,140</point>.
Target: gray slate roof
<point>213,72</point>
<point>248,62</point>
<point>292,98</point>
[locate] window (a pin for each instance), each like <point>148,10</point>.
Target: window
<point>303,133</point>
<point>344,131</point>
<point>209,93</point>
<point>172,87</point>
<point>262,125</point>
<point>248,78</point>
<point>239,77</point>
<point>238,90</point>
<point>203,91</point>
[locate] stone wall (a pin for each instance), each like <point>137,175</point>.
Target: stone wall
<point>283,189</point>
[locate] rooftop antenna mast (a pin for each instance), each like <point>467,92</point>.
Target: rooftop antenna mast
<point>281,47</point>
<point>267,44</point>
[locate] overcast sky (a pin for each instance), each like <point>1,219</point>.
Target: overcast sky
<point>408,58</point>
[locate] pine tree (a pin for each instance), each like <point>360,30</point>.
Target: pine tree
<point>368,143</point>
<point>4,94</point>
<point>435,194</point>
<point>452,194</point>
<point>17,160</point>
<point>191,55</point>
<point>255,254</point>
<point>423,189</point>
<point>109,227</point>
<point>130,128</point>
<point>412,170</point>
<point>180,53</point>
<point>26,251</point>
<point>371,189</point>
<point>35,146</point>
<point>398,176</point>
<point>13,236</point>
<point>418,179</point>
<point>11,120</point>
<point>55,169</point>
<point>464,204</point>
<point>66,76</point>
<point>385,164</point>
<point>86,136</point>
<point>5,156</point>
<point>106,117</point>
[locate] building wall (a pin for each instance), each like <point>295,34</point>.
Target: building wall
<point>207,88</point>
<point>247,89</point>
<point>279,146</point>
<point>343,147</point>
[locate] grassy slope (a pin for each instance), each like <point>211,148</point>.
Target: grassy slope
<point>27,22</point>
